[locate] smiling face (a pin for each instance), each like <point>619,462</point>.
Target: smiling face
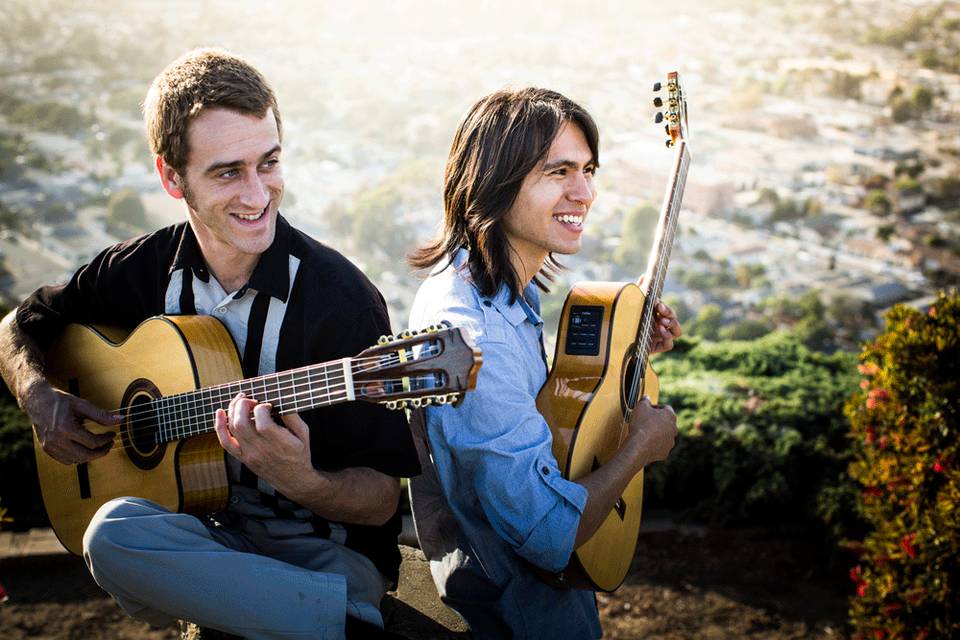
<point>233,185</point>
<point>552,204</point>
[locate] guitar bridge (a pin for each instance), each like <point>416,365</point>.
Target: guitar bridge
<point>620,506</point>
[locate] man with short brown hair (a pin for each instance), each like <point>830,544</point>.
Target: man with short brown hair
<point>308,543</point>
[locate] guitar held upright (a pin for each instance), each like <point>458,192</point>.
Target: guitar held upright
<point>601,369</point>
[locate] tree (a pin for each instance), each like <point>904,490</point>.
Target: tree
<point>876,181</point>
<point>877,203</point>
<point>746,274</point>
<point>906,183</point>
<point>885,232</point>
<point>639,224</point>
<point>905,430</point>
<point>901,109</point>
<point>911,169</point>
<point>947,191</point>
<point>922,99</point>
<point>845,85</point>
<point>126,214</point>
<point>707,323</point>
<point>375,223</point>
<point>749,329</point>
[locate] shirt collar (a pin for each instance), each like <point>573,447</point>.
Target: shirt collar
<point>271,275</point>
<point>525,307</point>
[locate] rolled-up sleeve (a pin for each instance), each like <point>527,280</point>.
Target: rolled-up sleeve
<point>500,448</point>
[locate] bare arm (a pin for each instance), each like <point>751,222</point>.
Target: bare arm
<point>653,431</point>
<point>281,456</point>
<point>57,416</point>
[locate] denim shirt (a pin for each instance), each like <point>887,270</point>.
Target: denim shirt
<point>502,504</point>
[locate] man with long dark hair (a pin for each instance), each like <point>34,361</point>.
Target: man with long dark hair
<point>517,189</point>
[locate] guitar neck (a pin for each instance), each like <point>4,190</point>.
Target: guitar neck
<point>656,273</point>
<point>189,414</point>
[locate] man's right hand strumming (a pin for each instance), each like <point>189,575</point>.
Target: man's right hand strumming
<point>653,430</point>
<point>58,419</point>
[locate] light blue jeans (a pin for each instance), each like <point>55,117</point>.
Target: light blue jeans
<point>161,566</point>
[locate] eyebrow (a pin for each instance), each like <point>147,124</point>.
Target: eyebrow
<point>569,164</point>
<point>234,164</point>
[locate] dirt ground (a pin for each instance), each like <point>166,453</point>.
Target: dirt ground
<point>700,584</point>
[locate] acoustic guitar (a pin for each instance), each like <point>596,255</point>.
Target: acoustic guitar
<point>169,376</point>
<point>600,371</point>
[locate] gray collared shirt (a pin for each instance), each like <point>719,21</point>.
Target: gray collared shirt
<point>501,504</point>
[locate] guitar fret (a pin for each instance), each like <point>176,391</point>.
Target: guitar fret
<point>326,384</point>
<point>174,411</point>
<point>167,417</point>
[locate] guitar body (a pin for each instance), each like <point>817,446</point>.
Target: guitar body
<point>163,356</point>
<point>584,402</point>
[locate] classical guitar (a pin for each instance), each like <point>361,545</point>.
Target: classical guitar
<point>600,371</point>
<point>169,376</point>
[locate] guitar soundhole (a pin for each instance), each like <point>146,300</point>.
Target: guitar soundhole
<point>140,431</point>
<point>629,368</point>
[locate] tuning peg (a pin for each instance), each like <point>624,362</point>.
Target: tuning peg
<point>657,119</point>
<point>669,143</point>
<point>666,129</point>
<point>657,86</point>
<point>391,404</point>
<point>385,340</point>
<point>440,400</point>
<point>406,334</point>
<point>657,102</point>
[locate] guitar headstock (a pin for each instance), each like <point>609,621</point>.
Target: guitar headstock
<point>417,368</point>
<point>674,115</point>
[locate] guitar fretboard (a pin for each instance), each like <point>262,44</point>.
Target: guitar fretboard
<point>656,273</point>
<point>191,413</point>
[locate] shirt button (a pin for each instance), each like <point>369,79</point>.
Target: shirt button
<point>234,499</point>
<point>221,309</point>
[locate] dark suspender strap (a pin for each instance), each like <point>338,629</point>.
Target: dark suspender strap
<point>251,368</point>
<point>187,305</point>
<point>255,324</point>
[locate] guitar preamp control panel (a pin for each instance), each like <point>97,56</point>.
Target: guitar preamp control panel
<point>583,331</point>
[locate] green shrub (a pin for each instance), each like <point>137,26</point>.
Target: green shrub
<point>19,485</point>
<point>904,430</point>
<point>763,437</point>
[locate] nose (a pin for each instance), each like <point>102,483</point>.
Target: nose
<point>581,189</point>
<point>255,195</point>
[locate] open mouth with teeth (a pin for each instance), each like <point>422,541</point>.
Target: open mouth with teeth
<point>250,217</point>
<point>571,221</point>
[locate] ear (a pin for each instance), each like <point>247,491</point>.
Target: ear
<point>169,178</point>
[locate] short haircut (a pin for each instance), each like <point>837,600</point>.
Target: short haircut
<point>502,138</point>
<point>198,80</point>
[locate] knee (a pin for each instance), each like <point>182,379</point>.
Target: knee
<point>112,528</point>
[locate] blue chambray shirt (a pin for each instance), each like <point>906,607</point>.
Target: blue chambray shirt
<point>507,505</point>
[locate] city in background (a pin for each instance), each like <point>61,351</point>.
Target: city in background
<point>825,137</point>
<point>824,188</point>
